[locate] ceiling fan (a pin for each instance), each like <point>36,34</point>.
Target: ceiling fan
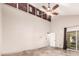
<point>49,9</point>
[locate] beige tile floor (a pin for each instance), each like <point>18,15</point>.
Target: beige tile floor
<point>47,51</point>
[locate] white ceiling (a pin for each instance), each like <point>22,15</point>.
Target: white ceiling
<point>64,9</point>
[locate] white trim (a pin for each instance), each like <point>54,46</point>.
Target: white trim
<point>73,26</point>
<point>71,49</point>
<point>76,39</point>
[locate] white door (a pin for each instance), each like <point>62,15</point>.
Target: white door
<point>51,39</point>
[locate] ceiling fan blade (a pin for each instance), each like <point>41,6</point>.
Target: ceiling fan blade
<point>44,7</point>
<point>55,13</point>
<point>55,7</point>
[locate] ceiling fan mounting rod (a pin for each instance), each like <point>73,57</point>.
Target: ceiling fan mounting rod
<point>48,5</point>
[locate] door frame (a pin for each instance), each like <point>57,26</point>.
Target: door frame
<point>65,39</point>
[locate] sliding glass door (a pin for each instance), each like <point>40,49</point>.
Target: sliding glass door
<point>78,40</point>
<point>72,37</point>
<point>71,40</point>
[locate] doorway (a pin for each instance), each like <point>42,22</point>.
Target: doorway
<point>51,39</point>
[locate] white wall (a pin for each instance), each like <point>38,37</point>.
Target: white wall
<point>22,31</point>
<point>58,24</point>
<point>0,29</point>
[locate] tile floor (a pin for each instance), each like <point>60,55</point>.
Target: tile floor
<point>47,51</point>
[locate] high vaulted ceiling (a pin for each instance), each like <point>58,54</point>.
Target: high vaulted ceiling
<point>64,9</point>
